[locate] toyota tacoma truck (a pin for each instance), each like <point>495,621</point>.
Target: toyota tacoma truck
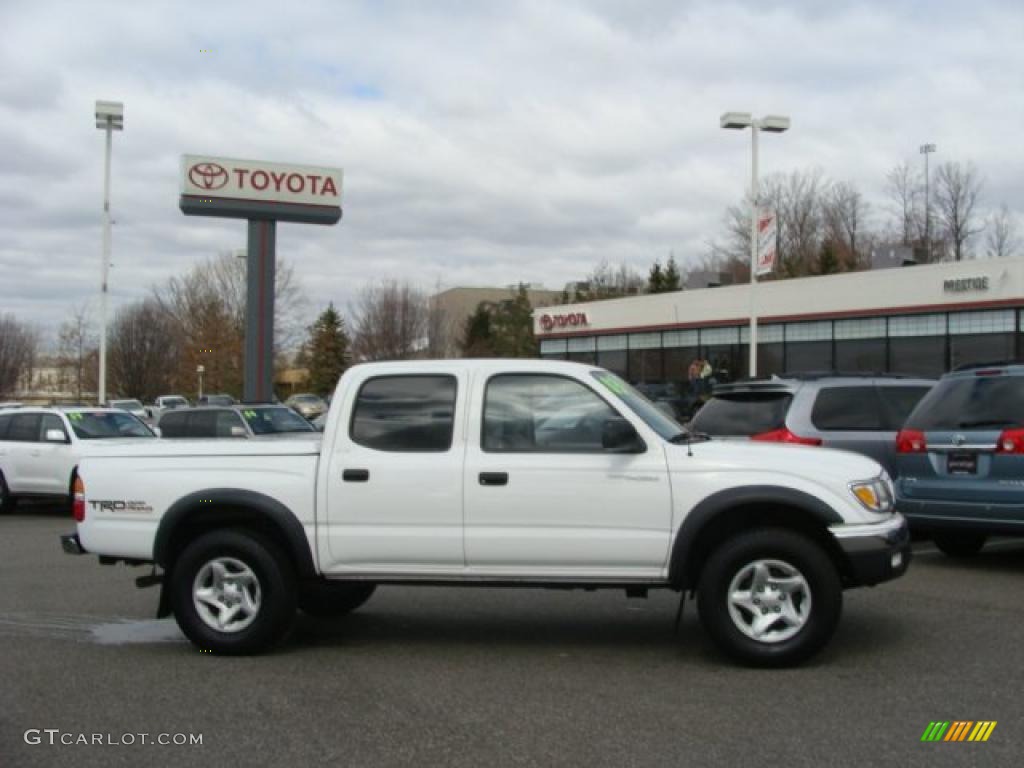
<point>527,473</point>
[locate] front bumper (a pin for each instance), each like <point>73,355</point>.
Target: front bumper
<point>874,552</point>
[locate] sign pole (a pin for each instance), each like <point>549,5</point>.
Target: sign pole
<point>754,216</point>
<point>259,311</point>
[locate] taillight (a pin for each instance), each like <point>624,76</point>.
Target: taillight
<point>78,499</point>
<point>910,441</point>
<point>785,436</point>
<point>1011,441</point>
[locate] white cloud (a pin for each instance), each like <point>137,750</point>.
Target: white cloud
<point>483,143</point>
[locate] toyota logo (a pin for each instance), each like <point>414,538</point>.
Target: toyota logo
<point>959,439</point>
<point>547,322</point>
<point>208,175</point>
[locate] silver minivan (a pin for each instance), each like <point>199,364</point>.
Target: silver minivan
<point>859,413</point>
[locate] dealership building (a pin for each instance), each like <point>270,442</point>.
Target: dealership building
<point>919,320</point>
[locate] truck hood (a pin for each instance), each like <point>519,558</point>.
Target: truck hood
<point>139,448</point>
<point>807,462</point>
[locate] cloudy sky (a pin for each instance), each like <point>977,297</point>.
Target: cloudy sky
<point>483,143</point>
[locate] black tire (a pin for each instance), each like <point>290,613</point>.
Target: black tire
<point>956,544</point>
<point>331,600</point>
<point>267,567</point>
<point>813,620</point>
<point>7,501</point>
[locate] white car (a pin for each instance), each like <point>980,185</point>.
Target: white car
<point>134,407</point>
<point>40,447</point>
<point>165,403</point>
<point>466,472</point>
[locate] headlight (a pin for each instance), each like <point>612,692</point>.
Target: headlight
<point>874,495</point>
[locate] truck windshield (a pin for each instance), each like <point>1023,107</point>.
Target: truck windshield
<point>640,405</point>
<point>101,425</point>
<point>272,421</point>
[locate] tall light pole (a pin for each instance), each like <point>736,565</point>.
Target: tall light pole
<point>927,149</point>
<point>200,370</point>
<point>109,118</point>
<point>771,124</point>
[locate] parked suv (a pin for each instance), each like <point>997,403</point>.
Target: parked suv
<point>236,421</point>
<point>40,447</point>
<point>961,458</point>
<point>860,413</point>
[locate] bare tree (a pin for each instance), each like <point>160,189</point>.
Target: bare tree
<point>1002,239</point>
<point>608,282</point>
<point>845,212</point>
<point>143,350</point>
<point>76,343</point>
<point>389,322</point>
<point>18,344</point>
<point>958,188</point>
<point>903,188</point>
<point>207,308</point>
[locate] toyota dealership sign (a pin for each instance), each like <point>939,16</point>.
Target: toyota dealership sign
<point>221,186</point>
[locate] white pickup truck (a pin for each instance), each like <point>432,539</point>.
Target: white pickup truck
<point>493,472</point>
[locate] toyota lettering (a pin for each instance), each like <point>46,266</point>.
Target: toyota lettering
<point>566,320</point>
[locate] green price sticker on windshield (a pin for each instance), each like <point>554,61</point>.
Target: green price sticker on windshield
<point>75,416</point>
<point>250,414</point>
<point>613,383</point>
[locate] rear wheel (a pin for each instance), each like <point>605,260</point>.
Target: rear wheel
<point>960,544</point>
<point>233,592</point>
<point>770,597</point>
<point>327,600</point>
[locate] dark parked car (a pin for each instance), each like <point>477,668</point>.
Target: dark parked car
<point>680,406</point>
<point>216,400</point>
<point>853,412</point>
<point>960,458</point>
<point>236,421</point>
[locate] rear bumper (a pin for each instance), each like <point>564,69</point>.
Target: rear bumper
<point>929,515</point>
<point>71,545</point>
<point>875,552</point>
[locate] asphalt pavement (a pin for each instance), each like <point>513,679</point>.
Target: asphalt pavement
<point>496,677</point>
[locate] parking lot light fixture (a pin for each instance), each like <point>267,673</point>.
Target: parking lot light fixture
<point>770,124</point>
<point>109,118</point>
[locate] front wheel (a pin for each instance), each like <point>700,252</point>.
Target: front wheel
<point>770,597</point>
<point>233,592</point>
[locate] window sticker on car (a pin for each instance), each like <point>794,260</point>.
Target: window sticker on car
<point>75,416</point>
<point>613,383</point>
<point>249,414</point>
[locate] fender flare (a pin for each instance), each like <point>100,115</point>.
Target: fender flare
<point>257,506</point>
<point>723,501</point>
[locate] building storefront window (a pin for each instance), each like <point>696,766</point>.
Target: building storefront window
<point>920,345</point>
<point>611,354</point>
<point>645,358</point>
<point>981,337</point>
<point>917,345</point>
<point>582,350</point>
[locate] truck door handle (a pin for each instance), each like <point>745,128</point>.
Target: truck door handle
<point>355,475</point>
<point>494,478</point>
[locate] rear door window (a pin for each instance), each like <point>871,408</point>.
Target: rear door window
<point>24,428</point>
<point>847,409</point>
<point>5,422</point>
<point>174,425</point>
<point>408,414</point>
<point>743,413</point>
<point>979,402</point>
<point>897,404</point>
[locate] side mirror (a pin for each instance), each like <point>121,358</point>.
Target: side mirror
<point>238,432</point>
<point>56,436</point>
<point>619,436</point>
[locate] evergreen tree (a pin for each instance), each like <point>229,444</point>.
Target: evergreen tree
<point>327,350</point>
<point>512,326</point>
<point>477,336</point>
<point>672,280</point>
<point>656,279</point>
<point>828,260</point>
